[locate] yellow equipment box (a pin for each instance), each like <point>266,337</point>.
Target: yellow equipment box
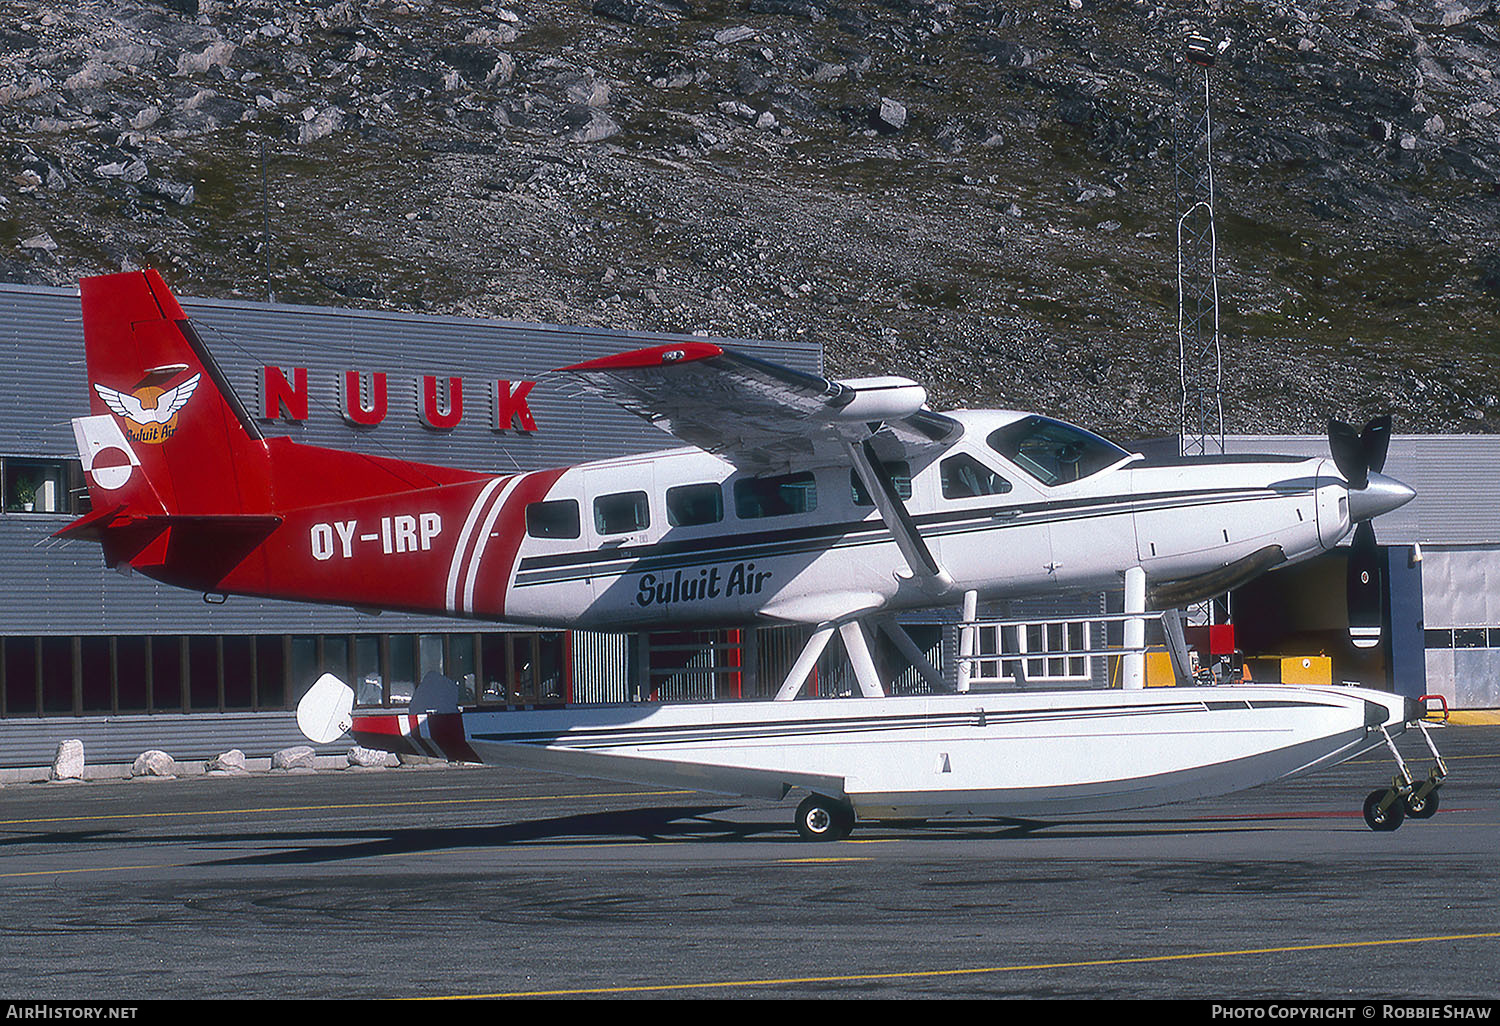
<point>1307,670</point>
<point>1159,670</point>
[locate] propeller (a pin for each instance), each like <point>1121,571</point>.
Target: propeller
<point>1360,457</point>
<point>1360,453</point>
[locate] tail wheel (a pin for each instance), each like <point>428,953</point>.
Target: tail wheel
<point>1422,808</point>
<point>820,818</point>
<point>1387,818</point>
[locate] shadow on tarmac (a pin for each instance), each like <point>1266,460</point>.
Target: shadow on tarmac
<point>699,824</point>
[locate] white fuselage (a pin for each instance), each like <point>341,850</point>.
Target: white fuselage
<point>634,563</point>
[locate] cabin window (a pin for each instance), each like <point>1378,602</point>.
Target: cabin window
<point>775,496</point>
<point>555,519</point>
<point>622,513</point>
<point>691,505</point>
<point>1053,452</point>
<point>900,472</point>
<point>964,477</point>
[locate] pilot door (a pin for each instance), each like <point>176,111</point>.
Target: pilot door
<point>992,528</point>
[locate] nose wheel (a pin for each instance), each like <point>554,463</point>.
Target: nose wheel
<point>1386,808</point>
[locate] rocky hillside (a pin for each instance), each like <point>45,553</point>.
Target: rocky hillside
<point>979,195</point>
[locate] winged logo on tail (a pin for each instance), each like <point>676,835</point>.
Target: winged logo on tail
<point>154,423</point>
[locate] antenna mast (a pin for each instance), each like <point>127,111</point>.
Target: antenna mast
<point>1201,429</point>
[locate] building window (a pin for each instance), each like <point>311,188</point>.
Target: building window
<point>240,671</point>
<point>1050,650</point>
<point>57,676</point>
<point>1469,637</point>
<point>95,676</point>
<point>22,680</point>
<point>523,668</point>
<point>62,675</point>
<point>270,673</point>
<point>43,486</point>
<point>132,694</point>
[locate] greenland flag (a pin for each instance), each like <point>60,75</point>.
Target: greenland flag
<point>107,456</point>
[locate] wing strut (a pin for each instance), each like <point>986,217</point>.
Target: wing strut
<point>857,648</point>
<point>797,675</point>
<point>877,481</point>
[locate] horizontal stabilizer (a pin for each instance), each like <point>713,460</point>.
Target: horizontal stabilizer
<point>96,525</point>
<point>189,550</point>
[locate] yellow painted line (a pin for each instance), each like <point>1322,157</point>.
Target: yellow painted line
<point>335,808</point>
<point>930,974</point>
<point>93,869</point>
<point>797,862</point>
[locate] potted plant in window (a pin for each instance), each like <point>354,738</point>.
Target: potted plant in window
<point>26,494</point>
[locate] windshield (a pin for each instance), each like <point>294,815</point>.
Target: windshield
<point>1053,452</point>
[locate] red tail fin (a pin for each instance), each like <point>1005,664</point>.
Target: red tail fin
<point>168,435</point>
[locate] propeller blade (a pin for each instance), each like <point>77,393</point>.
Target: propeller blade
<point>1360,453</point>
<point>1365,586</point>
<point>1374,442</point>
<point>1348,451</point>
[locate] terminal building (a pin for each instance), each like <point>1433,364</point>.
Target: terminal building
<point>126,664</point>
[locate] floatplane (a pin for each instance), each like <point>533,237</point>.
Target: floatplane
<point>790,499</point>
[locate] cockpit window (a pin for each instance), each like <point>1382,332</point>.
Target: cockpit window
<point>1053,452</point>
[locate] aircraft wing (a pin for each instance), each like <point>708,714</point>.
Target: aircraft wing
<point>760,416</point>
<point>765,418</point>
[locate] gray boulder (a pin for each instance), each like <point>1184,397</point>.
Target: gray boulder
<point>68,763</point>
<point>298,757</point>
<point>232,761</point>
<point>154,763</point>
<point>366,758</point>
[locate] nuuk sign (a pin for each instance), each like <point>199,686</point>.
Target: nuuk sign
<point>364,399</point>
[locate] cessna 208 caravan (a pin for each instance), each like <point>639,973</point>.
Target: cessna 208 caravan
<point>794,500</point>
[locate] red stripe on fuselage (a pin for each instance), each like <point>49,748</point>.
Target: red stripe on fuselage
<point>496,552</point>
